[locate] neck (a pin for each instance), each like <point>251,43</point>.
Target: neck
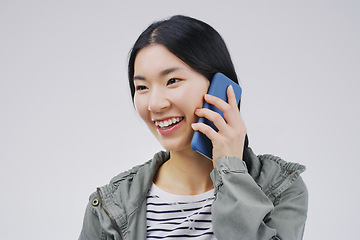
<point>185,173</point>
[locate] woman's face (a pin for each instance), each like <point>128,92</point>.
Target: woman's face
<point>167,92</point>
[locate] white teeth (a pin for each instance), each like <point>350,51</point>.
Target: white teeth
<point>168,122</point>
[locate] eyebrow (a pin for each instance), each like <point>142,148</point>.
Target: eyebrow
<point>168,71</point>
<point>162,73</point>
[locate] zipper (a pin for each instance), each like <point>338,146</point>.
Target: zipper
<point>112,220</point>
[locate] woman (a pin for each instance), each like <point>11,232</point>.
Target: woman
<point>180,194</point>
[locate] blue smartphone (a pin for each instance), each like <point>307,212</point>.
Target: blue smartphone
<point>219,84</point>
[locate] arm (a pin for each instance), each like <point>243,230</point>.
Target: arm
<point>91,226</point>
<point>290,212</point>
<point>242,210</point>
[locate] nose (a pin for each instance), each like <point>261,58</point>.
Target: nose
<point>158,101</point>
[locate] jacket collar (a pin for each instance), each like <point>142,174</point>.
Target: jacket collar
<point>134,186</point>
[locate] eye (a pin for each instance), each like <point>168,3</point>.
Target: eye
<point>140,88</point>
<point>173,80</point>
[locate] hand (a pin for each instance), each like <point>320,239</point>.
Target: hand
<point>229,140</point>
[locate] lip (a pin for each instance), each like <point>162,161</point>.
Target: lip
<point>169,130</point>
<point>164,118</point>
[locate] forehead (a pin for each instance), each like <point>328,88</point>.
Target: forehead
<point>155,59</point>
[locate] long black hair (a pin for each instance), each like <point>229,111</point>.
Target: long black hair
<point>195,42</point>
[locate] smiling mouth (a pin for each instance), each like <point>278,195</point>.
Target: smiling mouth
<point>165,124</point>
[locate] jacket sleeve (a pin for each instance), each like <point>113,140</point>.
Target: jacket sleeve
<point>241,210</point>
<point>91,229</point>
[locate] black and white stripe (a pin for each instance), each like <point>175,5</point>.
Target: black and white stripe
<point>171,216</point>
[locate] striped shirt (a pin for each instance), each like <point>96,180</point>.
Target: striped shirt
<point>171,216</point>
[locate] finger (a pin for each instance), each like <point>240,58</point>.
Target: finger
<point>205,129</point>
<point>214,117</point>
<point>235,116</point>
<point>231,96</point>
<point>220,103</point>
<point>231,112</point>
<point>217,102</point>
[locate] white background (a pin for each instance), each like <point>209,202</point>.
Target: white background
<point>67,124</point>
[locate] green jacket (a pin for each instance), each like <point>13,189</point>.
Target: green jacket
<point>269,202</point>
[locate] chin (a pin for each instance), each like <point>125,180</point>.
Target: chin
<point>175,143</point>
<point>176,147</point>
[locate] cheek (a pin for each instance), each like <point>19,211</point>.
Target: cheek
<point>192,98</point>
<point>196,94</point>
<point>141,107</point>
<point>197,99</point>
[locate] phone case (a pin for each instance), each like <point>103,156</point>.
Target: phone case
<point>219,84</point>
